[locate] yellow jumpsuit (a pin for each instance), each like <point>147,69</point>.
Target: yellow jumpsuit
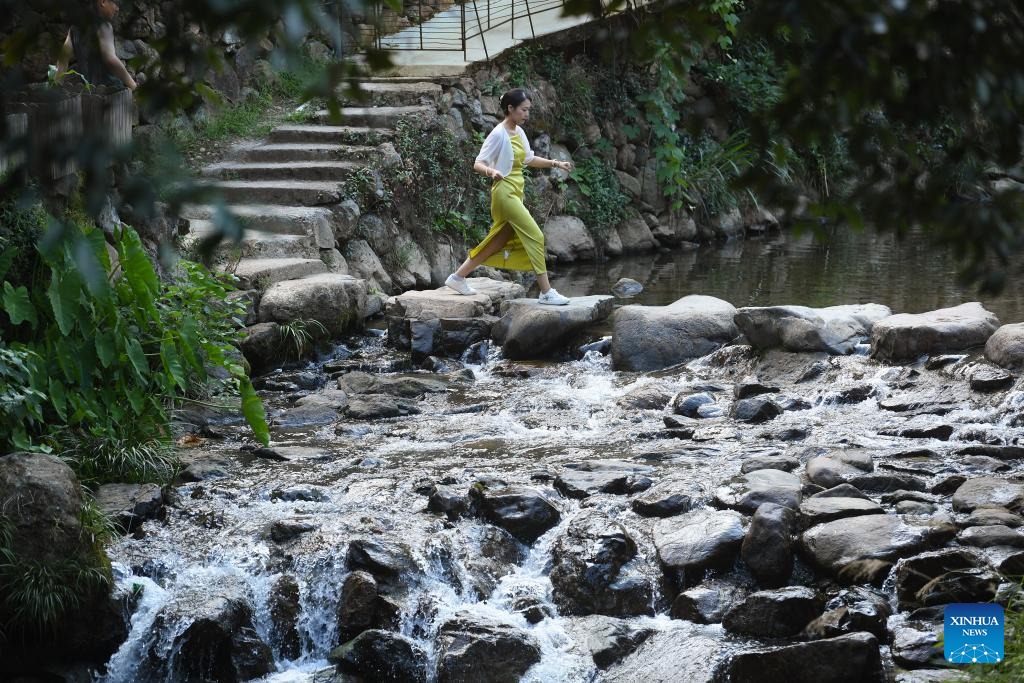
<point>525,249</point>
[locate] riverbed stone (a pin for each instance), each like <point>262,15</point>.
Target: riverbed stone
<point>854,609</point>
<point>587,576</point>
<point>774,613</point>
<point>916,644</point>
<point>844,490</point>
<point>961,586</point>
<point>1006,346</point>
<point>261,346</point>
<point>530,329</point>
<point>988,379</point>
<point>128,505</point>
<point>357,605</point>
<point>756,410</point>
<point>609,639</point>
<point>885,482</point>
<point>635,235</point>
<point>993,515</point>
<point>835,329</point>
<point>990,535</point>
<point>818,510</point>
<point>833,545</point>
<point>524,512</point>
<point>914,573</point>
<point>708,602</point>
<point>769,462</point>
<point>390,562</point>
<point>767,548</point>
<point>655,337</point>
<point>472,647</point>
<point>746,492</point>
<point>838,467</point>
<point>626,287</point>
<point>378,655</point>
<point>378,406</point>
<point>567,239</point>
<point>989,492</point>
<point>338,302</point>
<point>583,479</point>
<point>407,386</point>
<point>906,336</point>
<point>851,657</point>
<point>689,405</point>
<point>698,540</point>
<point>666,498</point>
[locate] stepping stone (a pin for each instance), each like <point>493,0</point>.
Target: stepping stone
<point>336,301</point>
<point>291,192</point>
<point>834,329</point>
<point>283,170</point>
<point>271,270</point>
<point>701,539</point>
<point>290,151</point>
<point>746,492</point>
<point>529,329</point>
<point>1006,346</point>
<point>445,302</point>
<point>820,510</point>
<point>319,134</point>
<point>655,337</point>
<point>291,220</point>
<point>907,336</point>
<point>583,479</point>
<point>377,117</point>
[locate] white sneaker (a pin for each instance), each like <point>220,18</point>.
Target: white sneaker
<point>460,285</point>
<point>552,298</point>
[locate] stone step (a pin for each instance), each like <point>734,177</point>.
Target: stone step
<point>263,272</point>
<point>306,133</point>
<point>377,117</point>
<point>256,243</point>
<point>401,93</point>
<point>286,220</point>
<point>289,151</point>
<point>290,192</point>
<point>282,170</point>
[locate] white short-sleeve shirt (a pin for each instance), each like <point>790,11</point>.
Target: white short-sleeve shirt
<point>496,151</point>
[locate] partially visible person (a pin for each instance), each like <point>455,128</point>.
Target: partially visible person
<point>93,49</point>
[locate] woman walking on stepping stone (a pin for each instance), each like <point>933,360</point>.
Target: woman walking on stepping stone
<point>515,241</point>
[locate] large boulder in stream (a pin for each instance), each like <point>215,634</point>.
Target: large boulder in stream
<point>529,329</point>
<point>655,337</point>
<point>1006,346</point>
<point>852,657</point>
<point>472,647</point>
<point>907,336</point>
<point>746,492</point>
<point>834,329</point>
<point>701,539</point>
<point>524,512</point>
<point>336,301</point>
<point>378,656</point>
<point>774,613</point>
<point>567,239</point>
<point>587,575</point>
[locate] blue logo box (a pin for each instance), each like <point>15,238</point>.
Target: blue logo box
<point>973,633</point>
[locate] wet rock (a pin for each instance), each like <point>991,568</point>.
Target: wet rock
<point>377,406</point>
<point>583,479</point>
<point>852,657</point>
<point>524,512</point>
<point>965,585</point>
<point>773,613</point>
<point>655,337</point>
<point>818,509</point>
<point>529,329</point>
<point>587,576</point>
<point>448,501</point>
<point>129,504</point>
<point>841,491</point>
<point>381,656</point>
<point>914,507</point>
<point>567,239</point>
<point>298,493</point>
<point>1000,451</point>
<point>1007,561</point>
<point>834,330</point>
<point>261,345</point>
<point>852,610</point>
<point>991,535</point>
<point>310,415</point>
<point>914,573</point>
<point>987,379</point>
<point>986,516</point>
<point>609,639</point>
<point>750,387</point>
<point>866,571</point>
<point>407,386</point>
<point>284,608</point>
<point>646,397</point>
<point>983,463</point>
<point>880,482</point>
<point>906,336</point>
<point>626,287</point>
<point>688,405</point>
<point>1006,346</point>
<point>942,432</point>
<point>915,645</point>
<point>948,485</point>
<point>204,466</point>
<point>666,498</point>
<point>357,606</point>
<point>855,394</point>
<point>833,545</point>
<point>220,641</point>
<point>336,301</point>
<point>769,462</point>
<point>531,606</point>
<point>325,398</point>
<point>756,410</point>
<point>284,530</point>
<point>473,648</point>
<point>746,492</point>
<point>708,603</point>
<point>930,676</point>
<point>988,492</point>
<point>388,561</point>
<point>767,548</point>
<point>839,467</point>
<point>698,540</point>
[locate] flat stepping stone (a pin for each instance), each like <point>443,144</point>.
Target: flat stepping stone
<point>377,117</point>
<point>319,134</point>
<point>907,336</point>
<point>529,329</point>
<point>283,170</point>
<point>655,337</point>
<point>834,329</point>
<point>833,545</point>
<point>291,192</point>
<point>291,152</point>
<point>827,509</point>
<point>445,302</point>
<point>583,479</point>
<point>255,243</point>
<point>272,270</point>
<point>291,220</point>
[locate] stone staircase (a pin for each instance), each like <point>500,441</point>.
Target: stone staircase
<point>286,191</point>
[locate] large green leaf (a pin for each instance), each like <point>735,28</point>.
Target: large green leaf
<point>172,364</point>
<point>139,271</point>
<point>252,409</point>
<point>58,398</point>
<point>105,347</point>
<point>190,345</point>
<point>138,360</point>
<point>6,259</point>
<point>63,293</point>
<point>18,305</point>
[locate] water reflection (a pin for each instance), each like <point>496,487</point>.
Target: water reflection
<point>848,267</point>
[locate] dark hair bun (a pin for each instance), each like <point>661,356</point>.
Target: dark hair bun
<point>513,98</point>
